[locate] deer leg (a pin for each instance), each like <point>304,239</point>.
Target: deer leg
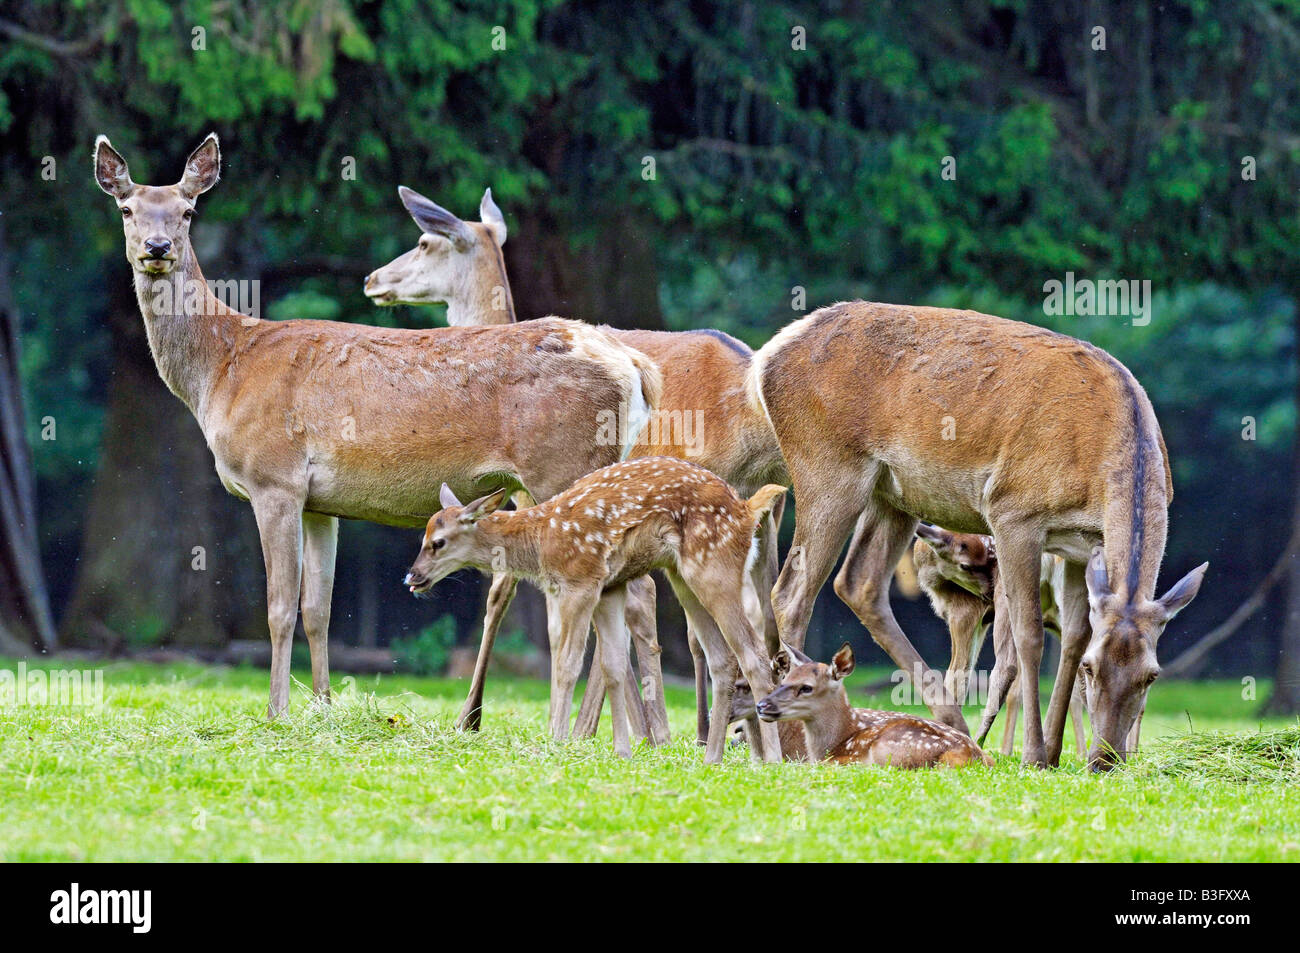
<point>763,576</point>
<point>1013,715</point>
<point>568,620</point>
<point>279,523</point>
<point>1003,677</point>
<point>701,686</point>
<point>966,635</point>
<point>720,662</point>
<point>593,700</point>
<point>820,529</point>
<point>1076,719</point>
<point>712,586</point>
<point>640,618</point>
<point>1020,550</point>
<point>612,656</point>
<point>1076,632</point>
<point>881,536</point>
<point>320,544</point>
<point>499,598</point>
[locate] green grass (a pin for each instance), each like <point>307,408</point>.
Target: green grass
<point>179,764</point>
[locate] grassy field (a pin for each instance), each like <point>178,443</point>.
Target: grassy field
<point>179,764</point>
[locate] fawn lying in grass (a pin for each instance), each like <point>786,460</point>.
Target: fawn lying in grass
<point>583,545</point>
<point>813,693</point>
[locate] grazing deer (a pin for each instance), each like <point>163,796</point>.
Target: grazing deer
<point>958,572</point>
<point>813,693</point>
<point>887,414</point>
<point>705,416</point>
<point>581,548</point>
<point>311,421</point>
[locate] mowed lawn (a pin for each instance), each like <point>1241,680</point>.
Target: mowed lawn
<point>179,764</point>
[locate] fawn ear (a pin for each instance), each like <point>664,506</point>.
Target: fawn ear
<point>780,664</point>
<point>447,498</point>
<point>433,218</point>
<point>111,172</point>
<point>484,505</point>
<point>202,168</point>
<point>931,534</point>
<point>1183,591</point>
<point>491,216</point>
<point>842,662</point>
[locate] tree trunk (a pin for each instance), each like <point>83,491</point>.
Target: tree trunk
<point>167,556</point>
<point>25,619</point>
<point>1285,699</point>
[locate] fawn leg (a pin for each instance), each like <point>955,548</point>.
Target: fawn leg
<point>701,686</point>
<point>1003,676</point>
<point>1013,715</point>
<point>568,620</point>
<point>640,617</point>
<point>1076,632</point>
<point>499,598</point>
<point>612,657</point>
<point>320,545</point>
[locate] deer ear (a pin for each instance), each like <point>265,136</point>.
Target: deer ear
<point>111,172</point>
<point>447,498</point>
<point>931,534</point>
<point>797,655</point>
<point>842,662</point>
<point>1183,591</point>
<point>484,505</point>
<point>491,216</point>
<point>202,168</point>
<point>1096,576</point>
<point>780,664</point>
<point>433,218</point>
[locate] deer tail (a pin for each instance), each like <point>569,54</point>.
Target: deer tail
<point>761,503</point>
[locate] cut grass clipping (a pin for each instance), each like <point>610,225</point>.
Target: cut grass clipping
<point>1259,757</point>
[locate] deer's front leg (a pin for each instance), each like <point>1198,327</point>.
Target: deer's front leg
<point>320,545</point>
<point>612,659</point>
<point>279,523</point>
<point>640,617</point>
<point>1005,666</point>
<point>568,619</point>
<point>499,598</point>
<point>1020,550</point>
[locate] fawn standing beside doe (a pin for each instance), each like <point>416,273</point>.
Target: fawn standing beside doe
<point>814,694</point>
<point>581,548</point>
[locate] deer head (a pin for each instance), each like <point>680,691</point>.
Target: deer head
<point>451,540</point>
<point>807,687</point>
<point>966,559</point>
<point>1120,662</point>
<point>451,263</point>
<point>156,219</point>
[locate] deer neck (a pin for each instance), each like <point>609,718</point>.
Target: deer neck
<point>191,331</point>
<point>515,537</point>
<point>1136,511</point>
<point>484,297</point>
<point>832,726</point>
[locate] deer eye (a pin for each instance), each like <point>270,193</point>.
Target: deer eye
<point>805,689</point>
<point>1152,677</point>
<point>189,214</point>
<point>439,543</point>
<point>126,212</point>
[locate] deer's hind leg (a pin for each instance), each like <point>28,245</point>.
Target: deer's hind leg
<point>320,546</point>
<point>612,659</point>
<point>500,596</point>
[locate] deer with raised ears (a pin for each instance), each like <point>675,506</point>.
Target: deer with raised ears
<point>813,693</point>
<point>958,572</point>
<point>705,415</point>
<point>311,421</point>
<point>888,414</point>
<point>582,547</point>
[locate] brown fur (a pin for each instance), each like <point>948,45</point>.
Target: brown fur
<point>888,413</point>
<point>585,544</point>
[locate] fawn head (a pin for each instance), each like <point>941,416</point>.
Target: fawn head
<point>451,540</point>
<point>967,559</point>
<point>156,218</point>
<point>805,687</point>
<point>1120,662</point>
<point>451,253</point>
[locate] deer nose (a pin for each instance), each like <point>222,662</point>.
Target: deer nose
<point>157,247</point>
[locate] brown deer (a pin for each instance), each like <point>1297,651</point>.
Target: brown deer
<point>705,416</point>
<point>582,546</point>
<point>887,414</point>
<point>958,572</point>
<point>813,694</point>
<point>311,421</point>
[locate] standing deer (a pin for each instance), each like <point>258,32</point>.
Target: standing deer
<point>311,421</point>
<point>582,547</point>
<point>460,263</point>
<point>813,693</point>
<point>958,572</point>
<point>887,414</point>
